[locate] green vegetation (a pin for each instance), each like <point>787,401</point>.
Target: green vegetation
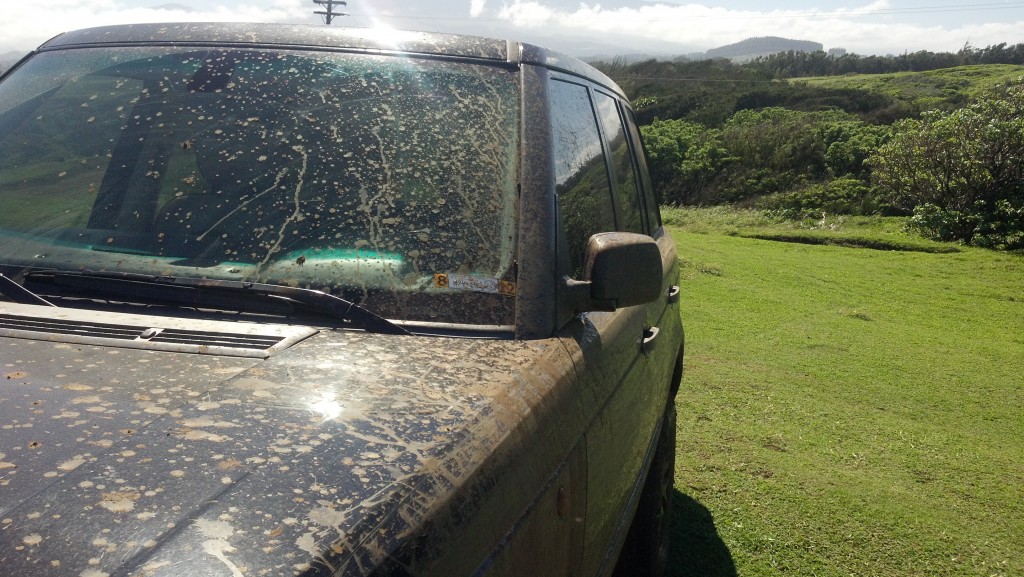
<point>959,173</point>
<point>878,89</point>
<point>853,391</point>
<point>874,232</point>
<point>802,64</point>
<point>758,153</point>
<point>846,411</point>
<point>944,89</point>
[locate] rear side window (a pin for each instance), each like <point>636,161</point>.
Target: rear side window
<point>647,187</point>
<point>581,174</point>
<point>631,212</point>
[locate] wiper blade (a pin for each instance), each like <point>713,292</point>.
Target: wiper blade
<point>200,290</point>
<point>343,309</point>
<point>20,294</point>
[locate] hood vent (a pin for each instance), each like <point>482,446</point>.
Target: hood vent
<point>148,332</point>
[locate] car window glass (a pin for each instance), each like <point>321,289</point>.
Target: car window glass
<point>647,187</point>
<point>631,219</point>
<point>581,174</point>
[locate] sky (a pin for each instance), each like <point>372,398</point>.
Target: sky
<point>580,27</point>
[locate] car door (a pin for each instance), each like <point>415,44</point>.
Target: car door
<point>596,190</point>
<point>664,327</point>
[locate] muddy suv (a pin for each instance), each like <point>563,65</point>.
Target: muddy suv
<point>283,300</point>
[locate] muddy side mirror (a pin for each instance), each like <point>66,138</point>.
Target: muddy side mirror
<point>622,269</point>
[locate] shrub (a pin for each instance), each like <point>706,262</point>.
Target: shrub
<point>1000,226</point>
<point>840,196</point>
<point>961,173</point>
<point>686,159</point>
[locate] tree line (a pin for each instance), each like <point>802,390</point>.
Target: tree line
<point>803,64</point>
<point>709,91</point>
<point>959,174</point>
<point>718,132</point>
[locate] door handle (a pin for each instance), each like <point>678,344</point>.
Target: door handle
<point>647,344</point>
<point>673,294</point>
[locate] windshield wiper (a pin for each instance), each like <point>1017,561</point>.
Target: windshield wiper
<point>20,294</point>
<point>217,293</point>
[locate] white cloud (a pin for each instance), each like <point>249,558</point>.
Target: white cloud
<point>874,28</point>
<point>25,25</point>
<point>476,7</point>
<point>530,14</point>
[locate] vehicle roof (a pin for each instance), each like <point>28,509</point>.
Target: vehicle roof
<point>299,36</point>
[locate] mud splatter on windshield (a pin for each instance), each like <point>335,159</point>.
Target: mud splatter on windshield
<point>376,177</point>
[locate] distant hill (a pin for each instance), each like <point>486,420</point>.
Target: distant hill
<point>739,52</point>
<point>753,47</point>
<point>8,59</point>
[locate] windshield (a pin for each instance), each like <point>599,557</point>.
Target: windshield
<point>389,180</point>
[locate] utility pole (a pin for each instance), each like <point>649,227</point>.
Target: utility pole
<point>329,14</point>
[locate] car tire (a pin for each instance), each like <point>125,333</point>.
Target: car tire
<point>645,552</point>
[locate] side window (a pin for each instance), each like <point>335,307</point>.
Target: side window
<point>647,188</point>
<point>581,175</point>
<point>631,216</point>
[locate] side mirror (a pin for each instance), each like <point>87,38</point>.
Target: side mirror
<point>622,269</point>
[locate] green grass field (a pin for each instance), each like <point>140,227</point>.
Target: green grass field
<point>847,410</point>
<point>929,89</point>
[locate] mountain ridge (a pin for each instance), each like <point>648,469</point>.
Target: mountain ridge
<point>741,51</point>
<point>762,46</point>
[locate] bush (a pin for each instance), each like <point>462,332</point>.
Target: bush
<point>1000,226</point>
<point>961,173</point>
<point>759,153</point>
<point>685,161</point>
<point>840,196</point>
<point>777,149</point>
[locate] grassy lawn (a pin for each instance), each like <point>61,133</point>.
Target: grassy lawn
<point>847,410</point>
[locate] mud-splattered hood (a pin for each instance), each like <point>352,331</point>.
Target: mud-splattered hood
<point>318,460</point>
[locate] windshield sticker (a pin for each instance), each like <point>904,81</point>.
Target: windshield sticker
<point>474,283</point>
